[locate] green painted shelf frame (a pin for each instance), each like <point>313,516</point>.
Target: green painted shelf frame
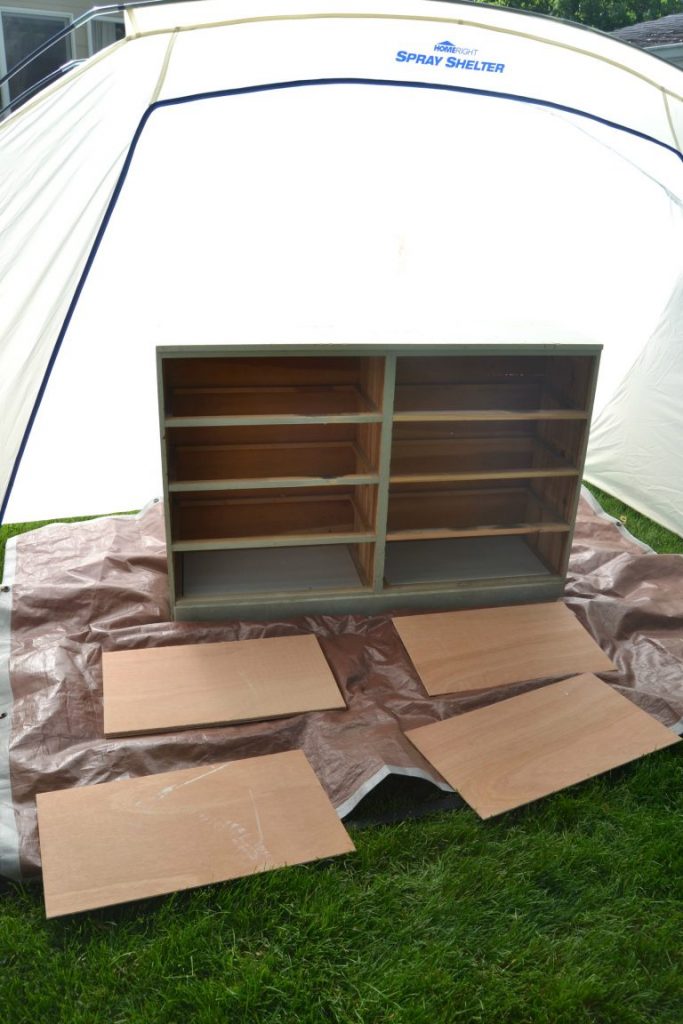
<point>346,478</point>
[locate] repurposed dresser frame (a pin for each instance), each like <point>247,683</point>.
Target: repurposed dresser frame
<point>361,479</point>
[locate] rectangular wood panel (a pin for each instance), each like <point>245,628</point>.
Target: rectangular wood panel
<point>159,689</point>
<point>486,647</point>
<point>128,840</point>
<point>506,755</point>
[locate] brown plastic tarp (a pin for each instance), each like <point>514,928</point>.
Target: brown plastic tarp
<point>78,589</point>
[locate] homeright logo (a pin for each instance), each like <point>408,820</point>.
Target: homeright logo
<point>461,58</point>
<point>446,47</point>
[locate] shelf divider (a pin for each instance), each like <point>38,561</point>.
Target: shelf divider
<point>384,468</point>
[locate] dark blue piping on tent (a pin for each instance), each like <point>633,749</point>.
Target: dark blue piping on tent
<point>195,97</point>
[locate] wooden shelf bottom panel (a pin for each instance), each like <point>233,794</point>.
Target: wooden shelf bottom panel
<point>268,570</point>
<point>461,559</point>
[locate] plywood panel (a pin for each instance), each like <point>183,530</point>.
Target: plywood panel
<point>475,650</point>
<point>158,689</point>
<point>518,750</point>
<point>121,841</point>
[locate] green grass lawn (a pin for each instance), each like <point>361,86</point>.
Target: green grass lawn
<point>662,540</point>
<point>567,911</point>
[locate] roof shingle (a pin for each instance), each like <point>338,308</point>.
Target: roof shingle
<point>661,32</point>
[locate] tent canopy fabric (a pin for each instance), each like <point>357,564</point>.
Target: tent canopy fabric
<point>239,172</point>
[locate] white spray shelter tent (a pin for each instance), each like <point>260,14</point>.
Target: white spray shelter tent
<point>377,171</point>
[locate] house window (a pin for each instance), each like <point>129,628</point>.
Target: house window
<point>103,32</point>
<point>21,32</point>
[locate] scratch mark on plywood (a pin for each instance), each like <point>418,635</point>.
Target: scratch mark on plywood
<point>167,790</point>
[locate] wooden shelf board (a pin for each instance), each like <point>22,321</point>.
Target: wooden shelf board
<point>256,420</point>
<point>192,686</point>
<point>511,474</point>
<point>456,415</point>
<point>273,540</point>
<point>137,838</point>
<point>456,652</point>
<point>247,483</point>
<point>478,531</point>
<point>529,746</point>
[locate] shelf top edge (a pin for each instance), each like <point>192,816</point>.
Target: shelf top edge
<point>315,350</point>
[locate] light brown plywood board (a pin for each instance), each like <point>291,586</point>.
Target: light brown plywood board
<point>508,754</point>
<point>164,688</point>
<point>128,840</point>
<point>474,650</point>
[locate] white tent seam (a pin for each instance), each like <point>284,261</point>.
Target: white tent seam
<point>164,68</point>
<point>130,16</point>
<point>670,120</point>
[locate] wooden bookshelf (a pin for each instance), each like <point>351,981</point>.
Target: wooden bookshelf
<point>366,479</point>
